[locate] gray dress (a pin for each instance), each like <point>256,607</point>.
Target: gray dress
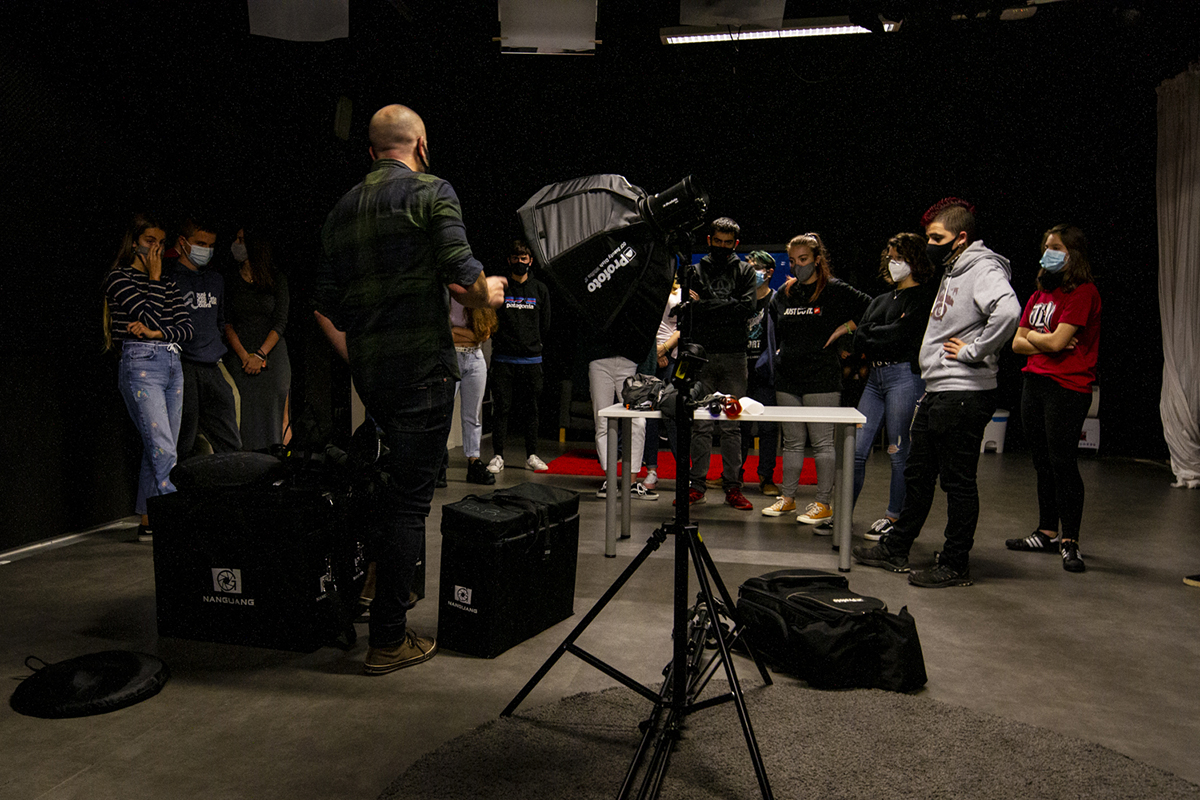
<point>253,312</point>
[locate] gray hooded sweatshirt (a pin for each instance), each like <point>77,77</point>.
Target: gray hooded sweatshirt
<point>976,304</point>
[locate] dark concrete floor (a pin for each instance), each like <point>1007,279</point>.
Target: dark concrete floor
<point>1110,656</point>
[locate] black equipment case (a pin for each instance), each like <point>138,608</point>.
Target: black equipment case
<point>810,624</point>
<point>267,563</point>
<point>508,567</point>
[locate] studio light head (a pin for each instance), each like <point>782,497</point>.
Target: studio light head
<point>679,208</point>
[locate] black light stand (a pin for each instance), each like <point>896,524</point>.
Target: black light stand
<point>689,672</point>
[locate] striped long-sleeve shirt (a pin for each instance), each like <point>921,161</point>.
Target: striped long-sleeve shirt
<point>133,297</point>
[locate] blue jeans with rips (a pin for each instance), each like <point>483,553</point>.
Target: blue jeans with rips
<point>415,421</point>
<point>890,397</point>
<point>150,379</point>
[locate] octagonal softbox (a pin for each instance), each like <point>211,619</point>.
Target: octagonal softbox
<point>604,260</point>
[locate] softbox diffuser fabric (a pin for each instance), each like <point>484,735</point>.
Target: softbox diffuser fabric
<point>602,259</point>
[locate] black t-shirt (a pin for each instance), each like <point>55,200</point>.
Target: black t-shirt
<point>802,326</point>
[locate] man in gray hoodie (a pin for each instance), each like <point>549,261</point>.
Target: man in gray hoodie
<point>974,316</point>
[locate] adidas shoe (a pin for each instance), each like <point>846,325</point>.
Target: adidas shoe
<point>536,464</point>
<point>1036,542</point>
<point>496,465</point>
<point>1072,562</point>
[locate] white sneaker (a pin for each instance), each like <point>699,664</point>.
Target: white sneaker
<point>536,464</point>
<point>495,465</point>
<point>603,490</point>
<point>639,491</point>
<point>651,481</point>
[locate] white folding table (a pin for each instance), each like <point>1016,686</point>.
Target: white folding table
<point>844,420</point>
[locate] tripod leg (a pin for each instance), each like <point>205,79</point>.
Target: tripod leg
<point>695,548</point>
<point>731,609</point>
<point>652,544</point>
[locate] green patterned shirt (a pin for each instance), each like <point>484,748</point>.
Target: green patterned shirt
<point>391,245</point>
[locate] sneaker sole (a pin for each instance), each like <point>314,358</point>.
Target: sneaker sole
<point>875,562</point>
<point>649,496</point>
<point>386,668</point>
<point>944,585</point>
<point>872,537</point>
<point>807,520</point>
<point>747,507</point>
<point>1020,549</point>
<point>770,512</point>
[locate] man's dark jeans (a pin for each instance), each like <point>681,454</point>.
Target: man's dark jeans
<point>946,433</point>
<point>416,423</point>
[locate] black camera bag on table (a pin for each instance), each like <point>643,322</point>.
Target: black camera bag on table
<point>809,623</point>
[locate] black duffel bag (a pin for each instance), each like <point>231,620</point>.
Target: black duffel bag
<point>810,624</point>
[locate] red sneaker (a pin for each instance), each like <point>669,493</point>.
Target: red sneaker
<point>735,498</point>
<point>695,496</point>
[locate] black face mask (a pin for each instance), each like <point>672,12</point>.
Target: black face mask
<point>720,255</point>
<point>1049,281</point>
<point>519,268</point>
<point>938,253</point>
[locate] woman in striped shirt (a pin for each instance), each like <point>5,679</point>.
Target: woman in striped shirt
<point>145,317</point>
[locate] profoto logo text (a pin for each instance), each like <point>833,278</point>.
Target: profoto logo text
<point>618,258</point>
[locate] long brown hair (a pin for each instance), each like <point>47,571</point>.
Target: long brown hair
<point>260,257</point>
<point>484,322</point>
<point>822,267</point>
<point>138,224</point>
<point>1078,269</point>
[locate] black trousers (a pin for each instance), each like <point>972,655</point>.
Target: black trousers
<point>1053,417</point>
<point>946,433</point>
<point>208,408</point>
<point>512,383</point>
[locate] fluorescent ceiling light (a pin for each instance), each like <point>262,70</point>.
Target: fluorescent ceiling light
<point>825,26</point>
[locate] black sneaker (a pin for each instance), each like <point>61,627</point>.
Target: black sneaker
<point>477,472</point>
<point>940,575</point>
<point>1036,542</point>
<point>1072,562</point>
<point>880,556</point>
<point>145,533</point>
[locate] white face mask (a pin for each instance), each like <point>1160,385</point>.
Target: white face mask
<point>899,270</point>
<point>238,250</point>
<point>199,254</point>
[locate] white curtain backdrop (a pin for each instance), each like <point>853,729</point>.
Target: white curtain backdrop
<point>1179,269</point>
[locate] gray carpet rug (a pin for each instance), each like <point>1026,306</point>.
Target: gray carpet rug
<point>829,745</point>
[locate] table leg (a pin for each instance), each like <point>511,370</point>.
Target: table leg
<point>845,489</point>
<point>626,475</point>
<point>610,500</point>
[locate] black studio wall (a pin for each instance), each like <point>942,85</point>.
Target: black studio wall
<point>113,107</point>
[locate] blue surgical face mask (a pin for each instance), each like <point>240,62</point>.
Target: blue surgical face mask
<point>760,277</point>
<point>199,254</point>
<point>1053,260</point>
